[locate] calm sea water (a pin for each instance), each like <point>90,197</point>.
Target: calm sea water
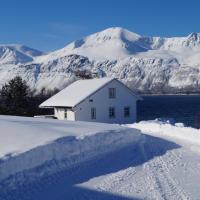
<point>181,108</point>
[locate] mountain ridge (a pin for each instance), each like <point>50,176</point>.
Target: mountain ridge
<point>146,64</point>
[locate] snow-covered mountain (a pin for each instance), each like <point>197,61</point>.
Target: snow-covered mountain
<point>14,54</point>
<point>146,64</point>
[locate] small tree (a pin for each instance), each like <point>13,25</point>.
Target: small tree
<point>83,74</point>
<point>14,97</point>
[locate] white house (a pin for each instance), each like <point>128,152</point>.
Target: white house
<point>99,100</point>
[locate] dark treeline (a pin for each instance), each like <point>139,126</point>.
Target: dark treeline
<point>16,98</point>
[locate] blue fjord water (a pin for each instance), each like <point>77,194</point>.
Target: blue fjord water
<point>181,108</point>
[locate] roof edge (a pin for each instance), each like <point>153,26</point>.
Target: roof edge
<point>95,91</point>
<point>111,79</point>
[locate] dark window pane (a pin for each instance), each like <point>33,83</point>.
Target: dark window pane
<point>112,93</point>
<point>93,113</point>
<point>111,112</point>
<point>65,113</point>
<point>126,111</point>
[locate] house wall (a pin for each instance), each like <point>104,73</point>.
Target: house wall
<point>60,114</point>
<point>102,102</point>
<point>70,115</point>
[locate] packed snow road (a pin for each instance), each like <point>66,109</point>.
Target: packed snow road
<point>157,164</point>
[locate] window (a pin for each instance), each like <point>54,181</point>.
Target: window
<point>111,112</point>
<point>112,93</point>
<point>65,113</point>
<point>93,113</point>
<point>127,111</point>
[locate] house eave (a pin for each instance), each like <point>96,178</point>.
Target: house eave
<point>69,107</point>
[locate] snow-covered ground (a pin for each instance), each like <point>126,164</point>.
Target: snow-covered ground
<point>79,160</point>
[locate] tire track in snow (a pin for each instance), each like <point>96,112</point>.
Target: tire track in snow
<point>160,172</point>
<point>151,181</point>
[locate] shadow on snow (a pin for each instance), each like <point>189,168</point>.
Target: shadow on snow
<point>65,184</point>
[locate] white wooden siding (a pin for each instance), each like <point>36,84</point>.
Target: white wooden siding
<point>102,102</point>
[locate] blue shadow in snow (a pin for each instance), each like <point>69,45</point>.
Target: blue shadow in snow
<point>65,184</point>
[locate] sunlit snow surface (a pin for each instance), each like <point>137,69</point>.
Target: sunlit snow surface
<point>50,159</point>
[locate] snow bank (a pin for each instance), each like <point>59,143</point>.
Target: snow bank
<point>20,134</point>
<point>164,128</point>
<point>56,144</point>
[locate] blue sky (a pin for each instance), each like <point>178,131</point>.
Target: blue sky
<point>51,24</point>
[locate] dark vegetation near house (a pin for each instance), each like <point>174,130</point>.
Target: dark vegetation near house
<point>16,98</point>
<point>85,74</point>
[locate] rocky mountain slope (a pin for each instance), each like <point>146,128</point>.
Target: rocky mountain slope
<point>146,64</point>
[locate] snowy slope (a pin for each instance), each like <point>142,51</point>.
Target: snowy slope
<point>147,64</point>
<point>14,54</point>
<point>99,161</point>
<point>112,43</point>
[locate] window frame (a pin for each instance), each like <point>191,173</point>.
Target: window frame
<point>113,111</point>
<point>65,113</point>
<point>129,112</point>
<point>93,113</point>
<point>112,93</point>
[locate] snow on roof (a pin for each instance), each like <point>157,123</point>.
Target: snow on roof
<point>75,93</point>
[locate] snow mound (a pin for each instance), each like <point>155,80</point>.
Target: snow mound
<point>27,143</point>
<point>165,128</point>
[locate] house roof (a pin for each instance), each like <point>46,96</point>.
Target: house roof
<point>76,92</point>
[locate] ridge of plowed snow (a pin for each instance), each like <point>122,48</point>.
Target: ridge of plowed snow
<point>177,131</point>
<point>30,142</point>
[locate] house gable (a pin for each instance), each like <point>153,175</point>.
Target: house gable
<point>101,102</point>
<point>103,86</point>
<point>75,93</point>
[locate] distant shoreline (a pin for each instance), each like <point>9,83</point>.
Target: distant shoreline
<point>170,94</point>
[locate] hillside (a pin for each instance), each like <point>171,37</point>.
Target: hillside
<point>146,64</point>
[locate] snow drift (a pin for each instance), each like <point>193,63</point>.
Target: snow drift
<point>166,128</point>
<point>27,143</point>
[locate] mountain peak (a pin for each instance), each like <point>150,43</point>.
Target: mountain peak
<point>111,43</point>
<point>119,32</point>
<point>194,36</point>
<point>16,53</point>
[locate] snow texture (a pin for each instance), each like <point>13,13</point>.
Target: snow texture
<point>147,64</point>
<point>99,161</point>
<point>28,142</point>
